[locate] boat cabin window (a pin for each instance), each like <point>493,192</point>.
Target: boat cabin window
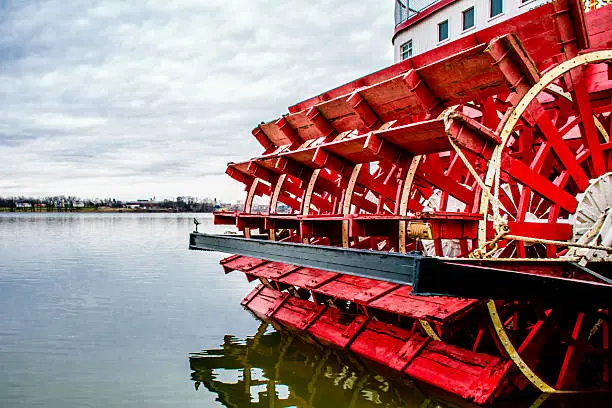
<point>468,18</point>
<point>443,30</point>
<point>497,7</point>
<point>406,50</point>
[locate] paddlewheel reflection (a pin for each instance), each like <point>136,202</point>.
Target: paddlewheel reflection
<point>277,369</point>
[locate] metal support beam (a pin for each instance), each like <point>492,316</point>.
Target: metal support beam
<point>481,282</point>
<point>428,276</point>
<point>388,266</point>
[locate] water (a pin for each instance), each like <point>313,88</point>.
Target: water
<point>105,310</point>
<point>102,309</point>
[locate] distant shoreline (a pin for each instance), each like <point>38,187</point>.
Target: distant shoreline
<point>94,210</point>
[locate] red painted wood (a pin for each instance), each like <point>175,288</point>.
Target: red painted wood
<point>272,270</point>
<point>598,27</point>
<point>347,287</point>
<point>364,111</point>
<point>303,126</point>
<point>312,317</point>
<point>548,128</point>
<point>224,218</point>
<point>330,327</point>
<point>429,101</point>
<point>472,376</point>
<point>353,150</point>
<point>353,330</point>
<point>380,288</point>
<point>247,220</point>
<point>252,295</point>
<point>453,229</point>
<point>260,172</point>
<point>383,343</point>
<point>279,132</point>
<point>541,230</point>
<point>418,138</point>
<point>437,308</point>
<point>408,352</point>
<point>263,140</point>
<point>308,278</point>
<point>229,258</point>
<point>376,185</point>
<point>471,135</point>
<point>260,300</point>
<point>477,79</point>
<point>517,170</point>
<point>293,314</point>
<point>241,263</point>
<point>599,84</point>
<point>392,100</point>
<point>573,356</point>
<point>587,127</point>
<point>320,123</point>
<point>277,304</point>
<point>433,176</point>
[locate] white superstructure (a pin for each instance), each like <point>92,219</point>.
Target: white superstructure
<point>421,25</point>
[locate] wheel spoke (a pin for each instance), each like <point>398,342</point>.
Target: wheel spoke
<point>525,175</point>
<point>562,151</point>
<point>536,338</point>
<point>573,356</point>
<point>587,127</point>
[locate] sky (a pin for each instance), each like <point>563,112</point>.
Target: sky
<point>152,98</point>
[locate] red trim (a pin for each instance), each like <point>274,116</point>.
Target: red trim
<point>420,16</point>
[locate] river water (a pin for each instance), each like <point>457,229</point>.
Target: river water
<point>112,310</point>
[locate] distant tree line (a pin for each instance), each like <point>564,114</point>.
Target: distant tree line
<point>50,203</point>
<point>72,203</point>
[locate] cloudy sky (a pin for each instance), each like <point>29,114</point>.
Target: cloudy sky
<point>141,98</point>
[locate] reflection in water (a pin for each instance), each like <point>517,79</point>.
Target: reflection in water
<point>273,369</point>
<point>277,369</point>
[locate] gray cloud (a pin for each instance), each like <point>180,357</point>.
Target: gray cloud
<point>131,99</point>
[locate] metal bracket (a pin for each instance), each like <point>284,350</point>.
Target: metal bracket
<point>419,230</point>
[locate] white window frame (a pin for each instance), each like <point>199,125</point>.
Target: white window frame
<point>409,50</point>
<point>491,16</point>
<point>463,28</point>
<point>447,21</point>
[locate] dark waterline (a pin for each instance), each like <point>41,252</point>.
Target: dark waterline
<point>103,310</point>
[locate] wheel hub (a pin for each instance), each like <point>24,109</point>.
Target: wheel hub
<point>593,217</point>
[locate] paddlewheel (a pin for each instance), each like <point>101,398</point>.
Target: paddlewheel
<point>492,152</point>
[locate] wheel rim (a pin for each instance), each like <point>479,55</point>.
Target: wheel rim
<point>493,186</point>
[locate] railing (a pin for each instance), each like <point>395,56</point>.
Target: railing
<point>404,10</point>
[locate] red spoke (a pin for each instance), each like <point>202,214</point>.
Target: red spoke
<point>587,127</point>
<point>564,154</point>
<point>542,230</point>
<point>606,346</point>
<point>537,337</point>
<point>526,141</point>
<point>489,113</point>
<point>445,183</point>
<point>523,207</point>
<point>520,172</point>
<point>573,357</point>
